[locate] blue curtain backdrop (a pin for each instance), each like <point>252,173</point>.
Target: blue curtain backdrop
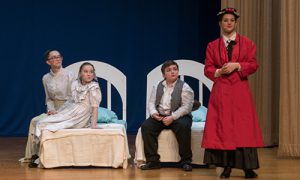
<point>133,35</point>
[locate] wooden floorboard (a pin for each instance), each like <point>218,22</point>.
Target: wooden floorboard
<point>272,167</point>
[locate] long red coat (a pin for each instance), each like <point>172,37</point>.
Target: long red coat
<point>231,119</point>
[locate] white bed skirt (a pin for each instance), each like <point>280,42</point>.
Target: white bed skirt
<point>107,147</point>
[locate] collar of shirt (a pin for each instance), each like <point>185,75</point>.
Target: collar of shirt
<point>164,83</point>
<point>54,74</point>
<point>228,39</point>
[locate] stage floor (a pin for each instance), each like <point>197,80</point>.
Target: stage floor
<point>12,149</point>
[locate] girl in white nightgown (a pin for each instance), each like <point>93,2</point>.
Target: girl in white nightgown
<point>79,112</point>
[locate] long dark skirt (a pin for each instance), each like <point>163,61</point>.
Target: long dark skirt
<point>241,158</point>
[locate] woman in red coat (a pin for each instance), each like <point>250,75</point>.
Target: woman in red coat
<point>232,131</point>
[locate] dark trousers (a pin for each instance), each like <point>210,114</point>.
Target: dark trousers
<point>151,128</point>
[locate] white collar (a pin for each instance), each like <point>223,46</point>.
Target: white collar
<point>164,83</point>
<point>53,74</point>
<point>228,39</point>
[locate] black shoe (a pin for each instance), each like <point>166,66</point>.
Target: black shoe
<point>250,173</point>
<point>226,172</point>
<point>150,165</point>
<point>32,163</point>
<point>187,167</point>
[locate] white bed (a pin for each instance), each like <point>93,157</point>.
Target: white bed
<point>167,143</point>
<point>106,147</point>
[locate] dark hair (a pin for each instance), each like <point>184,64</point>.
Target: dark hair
<point>167,64</point>
<point>228,10</point>
<point>87,64</point>
<point>46,54</point>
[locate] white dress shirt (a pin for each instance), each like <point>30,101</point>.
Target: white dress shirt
<point>187,99</point>
<point>228,39</point>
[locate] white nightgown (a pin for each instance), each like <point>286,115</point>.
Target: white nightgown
<point>75,113</point>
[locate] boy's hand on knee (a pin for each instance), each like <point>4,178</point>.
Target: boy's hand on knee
<point>157,116</point>
<point>168,120</point>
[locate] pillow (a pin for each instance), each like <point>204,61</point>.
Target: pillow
<point>120,121</point>
<point>199,115</point>
<point>115,121</point>
<point>105,115</point>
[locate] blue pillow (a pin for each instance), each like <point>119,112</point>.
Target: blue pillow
<point>120,121</point>
<point>199,115</point>
<point>105,115</point>
<point>116,121</point>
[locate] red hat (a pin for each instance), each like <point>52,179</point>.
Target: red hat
<point>228,10</point>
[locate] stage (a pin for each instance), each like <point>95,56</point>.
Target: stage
<point>271,167</point>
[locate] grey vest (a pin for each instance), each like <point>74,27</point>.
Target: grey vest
<point>175,97</point>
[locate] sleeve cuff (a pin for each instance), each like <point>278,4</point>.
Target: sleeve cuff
<point>217,73</point>
<point>153,112</point>
<point>174,116</point>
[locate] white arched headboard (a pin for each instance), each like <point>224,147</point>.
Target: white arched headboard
<point>112,75</point>
<point>186,68</point>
